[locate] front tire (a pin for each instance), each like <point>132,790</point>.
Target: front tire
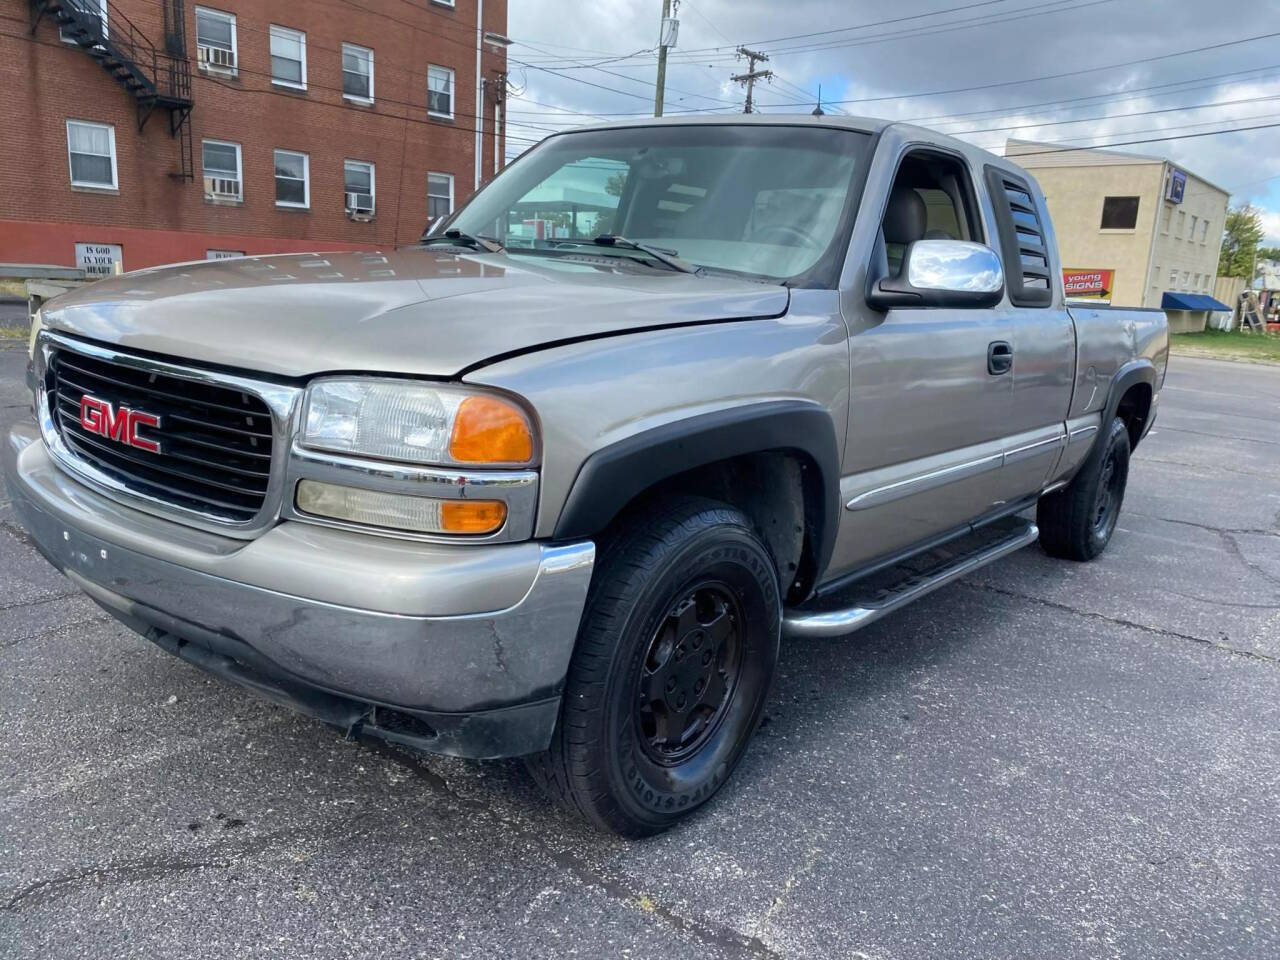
<point>669,676</point>
<point>1077,522</point>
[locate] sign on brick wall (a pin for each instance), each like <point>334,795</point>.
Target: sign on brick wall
<point>99,259</point>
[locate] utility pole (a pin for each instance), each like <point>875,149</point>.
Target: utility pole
<point>667,35</point>
<point>752,74</point>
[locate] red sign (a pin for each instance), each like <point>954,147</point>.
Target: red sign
<point>1088,284</point>
<point>117,423</point>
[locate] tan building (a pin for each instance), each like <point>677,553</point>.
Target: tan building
<point>1130,228</point>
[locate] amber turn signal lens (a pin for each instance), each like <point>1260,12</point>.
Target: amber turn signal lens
<point>472,516</point>
<point>490,430</point>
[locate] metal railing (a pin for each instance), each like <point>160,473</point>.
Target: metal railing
<point>161,75</point>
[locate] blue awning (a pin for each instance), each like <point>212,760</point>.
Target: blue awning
<point>1192,301</point>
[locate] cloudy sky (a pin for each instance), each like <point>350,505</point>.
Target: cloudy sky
<point>1082,72</point>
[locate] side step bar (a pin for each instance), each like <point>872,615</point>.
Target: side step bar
<point>836,622</point>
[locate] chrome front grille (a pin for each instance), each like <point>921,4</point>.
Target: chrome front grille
<point>215,457</point>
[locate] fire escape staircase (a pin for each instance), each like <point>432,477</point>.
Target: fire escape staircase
<point>156,79</point>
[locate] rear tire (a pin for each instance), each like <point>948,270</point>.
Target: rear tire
<point>1076,523</point>
<point>669,676</point>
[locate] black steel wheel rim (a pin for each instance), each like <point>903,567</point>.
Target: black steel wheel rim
<point>690,672</point>
<point>1108,496</point>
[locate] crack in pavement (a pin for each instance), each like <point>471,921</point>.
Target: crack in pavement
<point>1242,531</point>
<point>101,618</point>
<point>1221,436</point>
<point>17,533</point>
<point>1204,467</point>
<point>130,870</point>
<point>1228,537</point>
<point>1234,604</point>
<point>810,861</point>
<point>1121,622</point>
<point>724,938</point>
<point>36,603</point>
<point>226,853</point>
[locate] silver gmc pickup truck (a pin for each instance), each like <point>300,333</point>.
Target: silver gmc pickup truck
<point>556,481</point>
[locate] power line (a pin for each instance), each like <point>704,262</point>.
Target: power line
<point>1053,76</point>
<point>622,76</point>
<point>1133,143</point>
<point>1116,116</point>
<point>727,54</point>
<point>1116,97</point>
<point>914,33</point>
<point>1001,83</point>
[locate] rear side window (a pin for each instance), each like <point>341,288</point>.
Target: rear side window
<point>1022,239</point>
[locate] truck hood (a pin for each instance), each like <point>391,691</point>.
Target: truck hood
<point>415,311</point>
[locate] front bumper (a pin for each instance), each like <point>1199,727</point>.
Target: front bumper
<point>456,649</point>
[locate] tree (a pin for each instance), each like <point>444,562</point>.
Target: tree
<point>1269,253</point>
<point>1241,236</point>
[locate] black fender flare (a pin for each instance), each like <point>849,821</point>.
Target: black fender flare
<point>613,476</point>
<point>1131,374</point>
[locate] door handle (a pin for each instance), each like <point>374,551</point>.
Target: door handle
<point>999,357</point>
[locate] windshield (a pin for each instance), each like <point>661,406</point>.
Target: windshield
<point>766,201</point>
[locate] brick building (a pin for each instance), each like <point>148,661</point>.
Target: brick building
<point>318,125</point>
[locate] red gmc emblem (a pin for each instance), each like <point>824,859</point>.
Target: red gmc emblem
<point>117,423</point>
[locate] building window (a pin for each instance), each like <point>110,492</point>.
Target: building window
<point>1173,279</point>
<point>1195,222</point>
<point>440,92</point>
<point>93,8</point>
<point>216,41</point>
<point>358,177</point>
<point>1165,216</point>
<point>223,254</point>
<point>439,196</point>
<point>1195,282</point>
<point>1207,278</point>
<point>221,161</point>
<point>1186,277</point>
<point>91,148</point>
<point>1204,230</point>
<point>288,57</point>
<point>357,73</point>
<point>1182,224</point>
<point>293,186</point>
<point>1119,213</point>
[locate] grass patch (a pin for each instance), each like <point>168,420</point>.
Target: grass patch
<point>13,288</point>
<point>14,333</point>
<point>1257,347</point>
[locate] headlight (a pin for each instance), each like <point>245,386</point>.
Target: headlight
<point>37,321</point>
<point>416,422</point>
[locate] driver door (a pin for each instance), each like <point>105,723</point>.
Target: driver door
<point>927,407</point>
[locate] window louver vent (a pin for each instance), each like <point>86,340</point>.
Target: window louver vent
<point>1022,240</point>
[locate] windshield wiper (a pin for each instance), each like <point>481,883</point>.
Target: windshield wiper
<point>662,256</point>
<point>456,236</point>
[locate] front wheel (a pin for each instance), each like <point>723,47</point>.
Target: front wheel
<point>669,676</point>
<point>1077,522</point>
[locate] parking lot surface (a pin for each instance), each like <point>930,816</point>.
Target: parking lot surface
<point>1044,760</point>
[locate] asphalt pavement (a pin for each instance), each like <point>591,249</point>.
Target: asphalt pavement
<point>1044,760</point>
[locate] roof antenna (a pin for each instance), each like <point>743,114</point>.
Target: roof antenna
<point>818,111</point>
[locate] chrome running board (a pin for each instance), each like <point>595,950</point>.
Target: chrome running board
<point>868,605</point>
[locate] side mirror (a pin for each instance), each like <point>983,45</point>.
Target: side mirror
<point>942,273</point>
